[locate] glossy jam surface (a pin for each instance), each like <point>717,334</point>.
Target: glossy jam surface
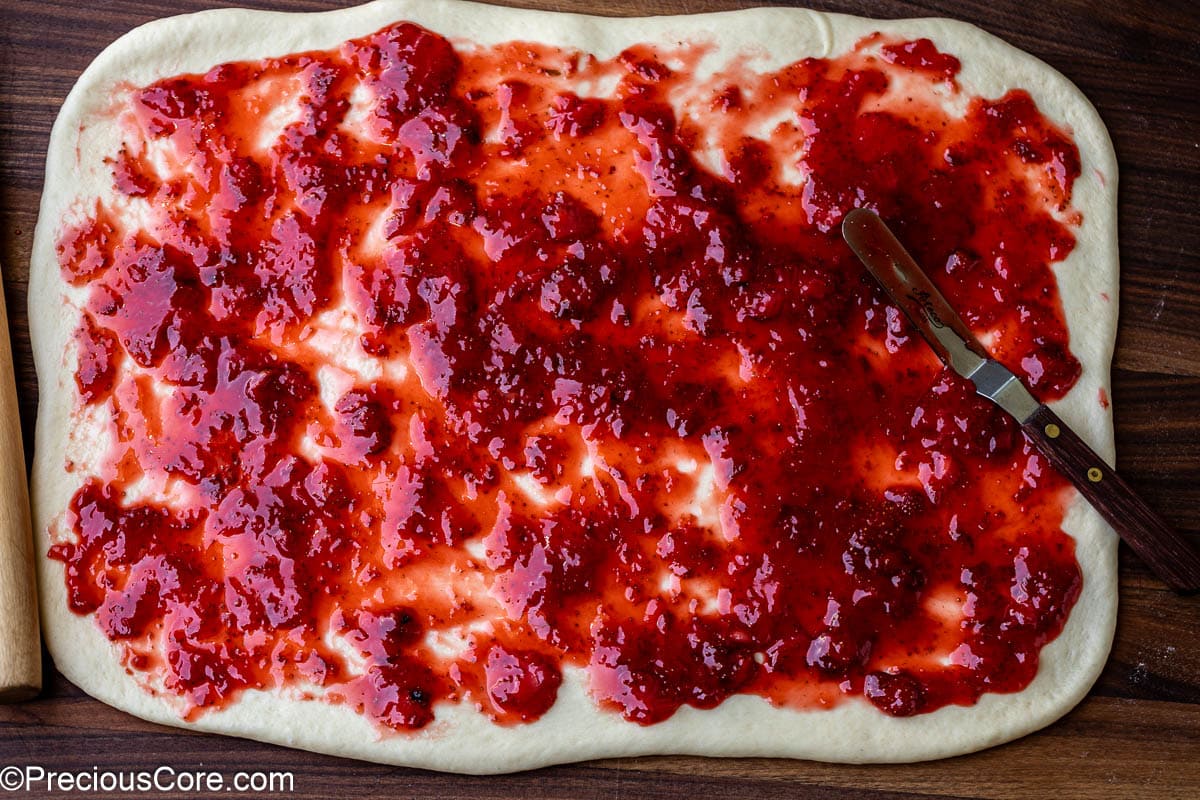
<point>419,375</point>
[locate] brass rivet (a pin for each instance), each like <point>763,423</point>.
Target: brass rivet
<point>1052,431</point>
<point>1095,475</point>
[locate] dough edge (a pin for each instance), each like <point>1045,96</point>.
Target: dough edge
<point>462,740</point>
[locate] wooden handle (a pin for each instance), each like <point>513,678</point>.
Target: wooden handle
<point>1164,549</point>
<point>20,641</point>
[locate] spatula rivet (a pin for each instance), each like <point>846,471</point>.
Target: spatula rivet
<point>1095,475</point>
<point>1052,431</point>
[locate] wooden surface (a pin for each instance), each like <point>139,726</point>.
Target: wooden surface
<point>1138,732</point>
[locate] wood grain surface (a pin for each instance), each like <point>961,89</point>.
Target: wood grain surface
<point>1138,732</point>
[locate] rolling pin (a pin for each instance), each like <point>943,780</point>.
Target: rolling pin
<point>20,641</point>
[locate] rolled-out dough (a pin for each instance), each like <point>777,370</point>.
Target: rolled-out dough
<point>462,739</point>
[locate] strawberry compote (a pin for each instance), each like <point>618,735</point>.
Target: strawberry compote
<point>428,373</point>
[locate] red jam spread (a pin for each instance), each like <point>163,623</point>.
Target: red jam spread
<point>429,374</point>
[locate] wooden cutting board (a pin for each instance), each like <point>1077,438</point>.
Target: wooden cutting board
<point>1138,732</point>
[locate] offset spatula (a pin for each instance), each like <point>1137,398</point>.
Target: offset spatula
<point>1162,548</point>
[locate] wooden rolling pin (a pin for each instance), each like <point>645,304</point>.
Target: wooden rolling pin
<point>20,640</point>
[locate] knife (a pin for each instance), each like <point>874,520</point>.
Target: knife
<point>1163,549</point>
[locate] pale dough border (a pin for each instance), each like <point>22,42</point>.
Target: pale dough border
<point>463,740</point>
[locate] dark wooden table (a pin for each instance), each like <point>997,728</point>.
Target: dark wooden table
<point>1136,735</point>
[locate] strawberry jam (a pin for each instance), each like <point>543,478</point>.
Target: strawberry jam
<point>419,375</point>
